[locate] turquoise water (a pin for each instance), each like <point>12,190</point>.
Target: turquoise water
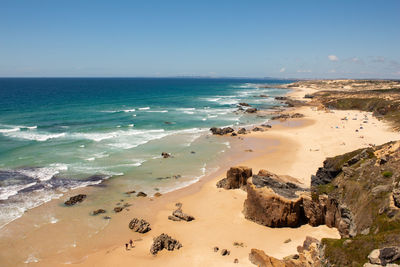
<point>60,134</point>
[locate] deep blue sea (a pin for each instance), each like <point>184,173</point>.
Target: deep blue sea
<point>57,134</point>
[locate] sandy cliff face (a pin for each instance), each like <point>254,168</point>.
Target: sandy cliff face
<point>357,193</point>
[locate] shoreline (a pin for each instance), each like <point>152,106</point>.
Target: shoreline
<point>288,149</point>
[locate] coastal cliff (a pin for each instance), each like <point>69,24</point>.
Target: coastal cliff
<point>357,193</point>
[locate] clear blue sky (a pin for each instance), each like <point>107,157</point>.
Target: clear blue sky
<point>304,39</point>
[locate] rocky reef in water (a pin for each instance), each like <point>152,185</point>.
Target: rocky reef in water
<point>358,193</point>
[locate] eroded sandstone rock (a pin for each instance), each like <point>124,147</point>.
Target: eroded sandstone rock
<point>164,241</point>
<point>236,177</point>
<point>139,225</point>
<point>75,199</point>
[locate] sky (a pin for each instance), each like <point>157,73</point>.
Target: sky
<point>233,38</point>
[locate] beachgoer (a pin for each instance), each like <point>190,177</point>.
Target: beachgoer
<point>131,242</point>
<point>126,246</point>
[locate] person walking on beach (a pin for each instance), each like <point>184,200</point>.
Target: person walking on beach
<point>126,246</point>
<point>131,243</point>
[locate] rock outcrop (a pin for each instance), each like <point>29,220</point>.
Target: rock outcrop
<point>99,211</point>
<point>236,177</point>
<point>221,131</point>
<point>179,215</point>
<point>164,241</point>
<point>287,116</point>
<point>139,225</point>
<point>75,199</point>
<point>384,256</point>
<point>165,155</point>
<point>251,110</point>
<point>309,255</point>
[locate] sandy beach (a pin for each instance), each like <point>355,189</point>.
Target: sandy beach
<point>296,147</point>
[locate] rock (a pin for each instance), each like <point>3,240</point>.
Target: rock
<point>235,261</point>
<point>265,207</point>
<point>287,241</point>
<point>174,218</point>
<point>281,98</point>
<point>141,194</point>
<point>259,258</point>
<point>140,226</point>
<point>164,241</point>
<point>236,177</point>
<point>157,194</point>
<point>183,216</point>
<point>287,116</point>
<point>221,131</point>
<point>106,217</point>
<point>234,134</point>
<point>258,129</point>
<point>396,194</point>
<point>266,125</point>
<point>251,110</point>
<point>118,209</point>
<point>225,252</point>
<point>95,212</point>
<point>192,152</point>
<point>384,256</point>
<point>165,155</point>
<point>308,96</point>
<point>244,104</point>
<point>309,256</point>
<point>297,115</point>
<point>242,131</point>
<point>130,192</point>
<point>377,190</point>
<point>216,249</point>
<point>262,96</point>
<point>75,199</point>
<point>281,117</point>
<point>278,184</point>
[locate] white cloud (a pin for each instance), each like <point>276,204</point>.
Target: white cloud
<point>282,70</point>
<point>333,58</point>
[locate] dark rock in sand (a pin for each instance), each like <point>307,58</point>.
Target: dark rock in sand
<point>157,194</point>
<point>192,152</point>
<point>165,155</point>
<point>75,199</point>
<point>141,194</point>
<point>234,134</point>
<point>258,129</point>
<point>130,192</point>
<point>118,209</point>
<point>183,216</point>
<point>308,96</point>
<point>236,177</point>
<point>140,226</point>
<point>216,249</point>
<point>164,241</point>
<point>95,212</point>
<point>251,110</point>
<point>266,125</point>
<point>281,98</point>
<point>107,218</point>
<point>242,131</point>
<point>174,218</point>
<point>225,252</point>
<point>221,131</point>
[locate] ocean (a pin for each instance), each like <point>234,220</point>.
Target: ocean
<point>59,134</point>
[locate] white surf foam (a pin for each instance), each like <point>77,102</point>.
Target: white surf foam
<point>145,108</point>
